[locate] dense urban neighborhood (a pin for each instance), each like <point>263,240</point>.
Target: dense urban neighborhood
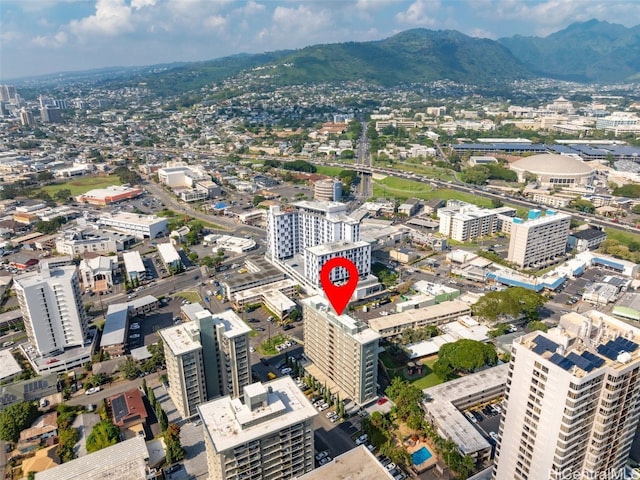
<point>162,310</point>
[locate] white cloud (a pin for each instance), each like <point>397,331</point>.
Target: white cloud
<point>55,41</point>
<point>252,8</point>
<point>420,13</point>
<point>7,36</point>
<point>481,33</point>
<point>112,17</point>
<point>215,22</point>
<point>549,16</point>
<point>138,4</point>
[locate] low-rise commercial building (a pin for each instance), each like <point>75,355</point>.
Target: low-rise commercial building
<point>140,226</point>
<point>133,265</point>
<point>114,334</point>
<point>169,257</point>
<point>444,404</point>
<point>394,324</point>
<point>128,460</point>
<point>109,195</point>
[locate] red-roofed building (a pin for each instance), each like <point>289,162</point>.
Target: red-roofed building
<point>128,408</point>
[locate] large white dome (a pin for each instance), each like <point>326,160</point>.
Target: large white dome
<point>551,163</point>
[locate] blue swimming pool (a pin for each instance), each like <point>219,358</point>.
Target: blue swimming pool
<point>420,456</point>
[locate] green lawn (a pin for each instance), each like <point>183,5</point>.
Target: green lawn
<point>328,170</point>
<point>268,347</point>
<point>400,188</point>
<point>624,238</point>
<point>430,379</point>
<point>84,184</point>
<point>190,295</point>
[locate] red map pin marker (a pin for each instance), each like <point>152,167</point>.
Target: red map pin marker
<point>339,296</point>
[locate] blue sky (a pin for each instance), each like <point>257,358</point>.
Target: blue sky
<point>47,36</point>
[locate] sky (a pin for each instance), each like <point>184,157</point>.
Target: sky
<point>49,36</point>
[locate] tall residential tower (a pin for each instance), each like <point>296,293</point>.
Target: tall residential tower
<point>344,350</point>
<point>206,358</point>
<point>572,401</point>
<point>51,304</point>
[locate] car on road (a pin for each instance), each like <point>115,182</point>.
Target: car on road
<point>362,439</point>
<point>382,401</point>
<point>134,326</point>
<point>325,460</point>
<point>286,370</point>
<point>391,466</point>
<point>259,329</point>
<point>92,390</point>
<point>134,335</point>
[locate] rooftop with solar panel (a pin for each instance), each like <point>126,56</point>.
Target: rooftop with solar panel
<point>585,342</point>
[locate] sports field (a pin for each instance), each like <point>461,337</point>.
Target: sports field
<point>83,184</point>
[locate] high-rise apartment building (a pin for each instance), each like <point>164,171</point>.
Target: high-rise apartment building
<point>342,348</point>
<point>467,222</point>
<point>307,224</point>
<point>52,308</point>
<point>315,258</point>
<point>51,114</point>
<point>206,358</point>
<point>301,238</point>
<point>267,434</point>
<point>572,401</point>
<point>539,240</point>
<point>26,118</point>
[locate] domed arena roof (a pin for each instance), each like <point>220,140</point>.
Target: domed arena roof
<point>551,163</point>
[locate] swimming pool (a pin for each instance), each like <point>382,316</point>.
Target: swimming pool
<point>421,456</point>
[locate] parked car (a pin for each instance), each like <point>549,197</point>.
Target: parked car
<point>92,390</point>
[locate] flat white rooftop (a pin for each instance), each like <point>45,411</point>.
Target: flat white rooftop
<point>8,365</point>
<point>354,327</point>
<point>133,262</point>
<point>133,218</point>
<point>356,464</point>
<point>425,314</point>
<point>223,418</point>
<point>181,339</point>
<point>168,253</point>
<point>442,401</point>
<point>335,247</point>
<point>115,325</point>
<point>233,324</point>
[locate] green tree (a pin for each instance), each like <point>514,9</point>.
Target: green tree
<point>15,418</point>
<point>537,325</point>
<point>129,368</point>
<point>44,176</point>
<point>514,302</point>
<point>62,195</point>
<point>104,434</point>
<point>145,389</point>
<point>257,200</point>
<point>162,417</point>
<point>151,397</point>
<point>464,355</point>
<point>67,439</point>
<point>174,449</point>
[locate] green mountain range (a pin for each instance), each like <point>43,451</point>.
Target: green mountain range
<point>413,56</point>
<point>592,51</point>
